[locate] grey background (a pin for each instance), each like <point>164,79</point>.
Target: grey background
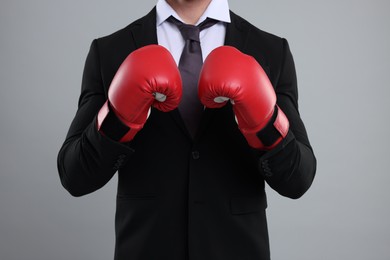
<point>341,50</point>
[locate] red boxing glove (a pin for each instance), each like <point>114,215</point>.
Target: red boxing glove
<point>229,74</point>
<point>148,77</point>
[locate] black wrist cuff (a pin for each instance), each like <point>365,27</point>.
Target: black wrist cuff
<point>269,134</point>
<point>113,127</point>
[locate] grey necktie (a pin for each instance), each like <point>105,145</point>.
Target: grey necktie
<point>190,65</point>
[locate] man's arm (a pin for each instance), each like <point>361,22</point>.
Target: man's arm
<point>147,77</point>
<point>290,167</point>
<point>268,117</point>
<point>87,160</point>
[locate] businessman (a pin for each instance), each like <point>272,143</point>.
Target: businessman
<point>195,109</point>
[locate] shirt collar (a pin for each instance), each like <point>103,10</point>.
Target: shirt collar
<point>217,9</point>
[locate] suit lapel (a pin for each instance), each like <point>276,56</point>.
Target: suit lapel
<point>144,31</point>
<point>236,33</point>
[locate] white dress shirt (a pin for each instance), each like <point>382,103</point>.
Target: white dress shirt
<point>169,36</point>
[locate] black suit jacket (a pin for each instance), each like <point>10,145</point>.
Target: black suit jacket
<point>179,198</point>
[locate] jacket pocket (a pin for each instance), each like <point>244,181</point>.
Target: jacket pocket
<point>248,204</point>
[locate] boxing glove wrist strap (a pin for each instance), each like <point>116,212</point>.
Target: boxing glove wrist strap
<point>269,134</point>
<point>110,125</point>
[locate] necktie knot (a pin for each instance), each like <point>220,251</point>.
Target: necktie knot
<point>189,31</point>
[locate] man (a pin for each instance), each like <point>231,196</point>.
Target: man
<point>182,193</point>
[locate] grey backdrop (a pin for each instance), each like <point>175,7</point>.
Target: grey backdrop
<point>342,55</point>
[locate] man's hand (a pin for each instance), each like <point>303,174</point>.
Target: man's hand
<point>148,77</point>
<point>228,74</point>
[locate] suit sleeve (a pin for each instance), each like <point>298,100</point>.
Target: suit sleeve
<point>291,166</point>
<point>87,160</point>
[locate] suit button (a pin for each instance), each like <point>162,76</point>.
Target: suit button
<point>266,168</point>
<point>119,162</point>
<point>195,155</point>
<point>268,173</point>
